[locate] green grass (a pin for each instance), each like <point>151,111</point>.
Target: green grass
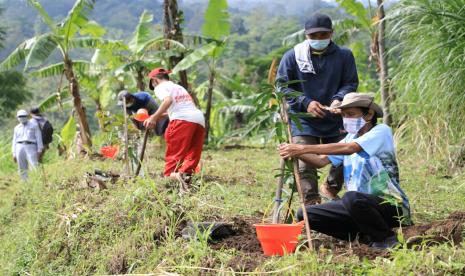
<point>55,226</point>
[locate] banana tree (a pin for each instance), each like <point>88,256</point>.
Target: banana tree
<point>141,53</point>
<point>62,36</point>
<point>172,19</point>
<point>216,27</point>
<point>146,51</point>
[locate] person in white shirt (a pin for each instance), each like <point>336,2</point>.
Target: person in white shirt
<point>186,130</point>
<point>27,143</point>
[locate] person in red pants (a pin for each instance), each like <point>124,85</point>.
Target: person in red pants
<point>186,130</point>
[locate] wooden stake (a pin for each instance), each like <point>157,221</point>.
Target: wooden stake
<point>126,142</point>
<point>279,192</point>
<point>142,152</point>
<point>302,202</point>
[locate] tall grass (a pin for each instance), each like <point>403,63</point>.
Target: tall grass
<point>6,157</point>
<point>428,80</point>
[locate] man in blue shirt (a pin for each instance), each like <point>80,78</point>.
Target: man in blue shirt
<point>139,100</point>
<point>327,72</point>
<point>374,202</point>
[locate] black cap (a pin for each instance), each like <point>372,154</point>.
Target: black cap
<point>318,23</point>
<point>123,95</point>
<point>35,111</point>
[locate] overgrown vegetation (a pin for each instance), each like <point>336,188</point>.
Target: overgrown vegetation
<point>429,77</point>
<point>62,223</point>
<point>57,224</point>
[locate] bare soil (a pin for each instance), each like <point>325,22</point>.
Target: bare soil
<point>245,241</point>
<point>250,256</point>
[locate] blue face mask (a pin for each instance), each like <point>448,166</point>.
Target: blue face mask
<point>319,44</point>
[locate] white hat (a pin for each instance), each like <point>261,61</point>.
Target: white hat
<point>354,99</point>
<point>123,95</point>
<point>22,113</point>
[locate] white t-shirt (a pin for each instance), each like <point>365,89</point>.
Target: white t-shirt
<point>183,107</point>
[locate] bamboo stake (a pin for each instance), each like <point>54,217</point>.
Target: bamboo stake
<point>295,162</point>
<point>282,162</point>
<point>126,151</point>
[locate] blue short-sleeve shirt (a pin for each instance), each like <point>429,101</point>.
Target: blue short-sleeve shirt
<point>374,170</point>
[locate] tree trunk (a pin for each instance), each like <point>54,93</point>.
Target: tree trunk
<point>211,82</point>
<point>140,80</point>
<point>172,30</point>
<point>383,74</point>
<point>78,107</point>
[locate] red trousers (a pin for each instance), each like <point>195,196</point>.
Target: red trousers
<point>184,143</point>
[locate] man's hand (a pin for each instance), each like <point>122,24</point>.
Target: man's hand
<point>316,109</point>
<point>290,150</point>
<point>40,154</point>
<point>151,122</point>
<point>15,160</point>
<point>334,107</point>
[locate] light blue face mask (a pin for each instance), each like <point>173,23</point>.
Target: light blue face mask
<point>319,44</point>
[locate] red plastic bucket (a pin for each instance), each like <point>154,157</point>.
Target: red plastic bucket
<point>278,239</point>
<point>109,151</point>
<point>141,115</point>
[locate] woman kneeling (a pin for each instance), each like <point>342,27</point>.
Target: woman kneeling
<point>374,202</point>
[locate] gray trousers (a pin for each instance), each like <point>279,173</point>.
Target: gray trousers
<point>26,155</point>
<point>309,175</point>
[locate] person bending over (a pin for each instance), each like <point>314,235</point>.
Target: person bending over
<point>374,202</point>
<point>186,130</point>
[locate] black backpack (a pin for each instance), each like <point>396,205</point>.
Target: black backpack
<point>46,129</point>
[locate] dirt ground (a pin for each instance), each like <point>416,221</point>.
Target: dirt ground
<point>245,241</point>
<point>250,256</point>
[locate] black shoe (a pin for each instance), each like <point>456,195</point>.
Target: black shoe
<point>389,242</point>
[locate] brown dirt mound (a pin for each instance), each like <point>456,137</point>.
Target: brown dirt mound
<point>323,243</point>
<point>245,240</point>
<point>448,230</point>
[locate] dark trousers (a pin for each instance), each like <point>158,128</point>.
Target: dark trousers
<point>354,214</point>
<point>309,175</point>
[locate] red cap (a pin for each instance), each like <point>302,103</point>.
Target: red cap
<point>157,71</point>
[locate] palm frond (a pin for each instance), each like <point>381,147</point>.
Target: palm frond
<point>95,42</point>
<point>142,32</point>
<point>216,25</point>
<point>54,100</point>
<point>192,41</point>
<point>77,18</point>
<point>93,29</point>
<point>42,48</point>
<point>43,14</point>
<point>194,57</point>
<point>18,55</point>
<point>58,68</point>
<point>159,43</point>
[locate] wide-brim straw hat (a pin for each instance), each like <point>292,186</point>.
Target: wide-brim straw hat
<point>361,100</point>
